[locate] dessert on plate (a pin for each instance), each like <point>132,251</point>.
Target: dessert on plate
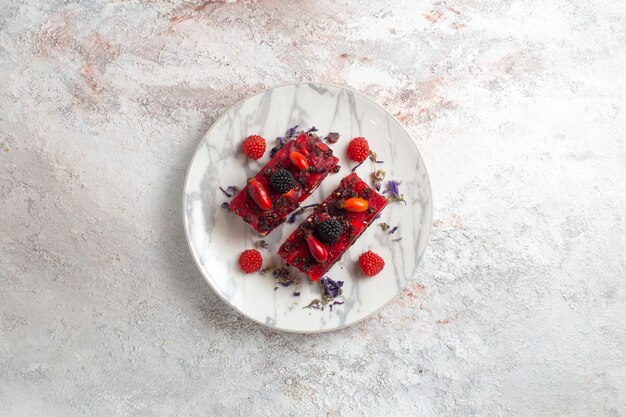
<point>335,224</point>
<point>290,177</point>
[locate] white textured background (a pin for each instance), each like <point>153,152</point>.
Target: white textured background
<point>516,106</point>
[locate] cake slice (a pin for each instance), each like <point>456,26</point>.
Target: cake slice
<point>333,227</point>
<point>290,177</point>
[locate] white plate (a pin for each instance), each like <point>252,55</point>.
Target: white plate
<point>217,237</point>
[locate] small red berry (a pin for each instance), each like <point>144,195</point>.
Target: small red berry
<point>358,149</point>
<point>250,261</point>
<point>370,263</point>
<point>254,146</point>
<point>298,160</point>
<point>355,205</point>
<point>259,194</point>
<point>318,251</point>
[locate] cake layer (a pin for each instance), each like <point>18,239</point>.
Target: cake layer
<point>320,160</point>
<point>296,250</point>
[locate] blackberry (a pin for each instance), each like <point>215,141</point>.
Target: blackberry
<point>329,230</point>
<point>282,181</point>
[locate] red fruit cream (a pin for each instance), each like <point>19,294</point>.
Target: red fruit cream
<point>295,250</point>
<point>320,162</point>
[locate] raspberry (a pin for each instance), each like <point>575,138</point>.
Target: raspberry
<point>329,230</point>
<point>358,149</point>
<point>254,146</point>
<point>282,181</point>
<point>250,261</point>
<point>370,263</point>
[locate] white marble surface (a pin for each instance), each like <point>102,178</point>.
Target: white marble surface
<point>517,108</point>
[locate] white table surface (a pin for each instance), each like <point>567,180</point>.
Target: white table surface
<point>517,107</point>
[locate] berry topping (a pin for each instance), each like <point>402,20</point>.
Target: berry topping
<point>329,230</point>
<point>318,251</point>
<point>254,146</point>
<point>282,181</point>
<point>355,205</point>
<point>358,149</point>
<point>370,263</point>
<point>298,160</point>
<point>259,194</point>
<point>250,261</point>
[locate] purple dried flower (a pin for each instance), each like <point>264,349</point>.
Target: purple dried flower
<point>393,189</point>
<point>334,303</point>
<point>312,129</point>
<point>377,178</point>
<point>296,294</point>
<point>331,287</point>
<point>225,192</point>
<point>292,218</point>
<point>397,240</point>
<point>225,205</point>
<point>280,143</point>
<point>292,131</point>
<point>360,163</point>
<point>332,137</point>
<point>230,191</point>
<point>393,230</point>
<point>283,276</point>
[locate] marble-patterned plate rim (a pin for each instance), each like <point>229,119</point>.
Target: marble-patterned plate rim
<point>185,219</point>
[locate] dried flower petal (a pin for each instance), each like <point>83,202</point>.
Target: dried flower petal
<point>377,178</point>
<point>360,163</point>
<point>312,129</point>
<point>261,244</point>
<point>384,226</point>
<point>334,303</point>
<point>230,191</point>
<point>292,131</point>
<point>281,141</point>
<point>283,276</point>
<point>316,304</point>
<point>292,218</point>
<point>331,287</point>
<point>392,231</point>
<point>332,137</point>
<point>266,270</point>
<point>393,189</point>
